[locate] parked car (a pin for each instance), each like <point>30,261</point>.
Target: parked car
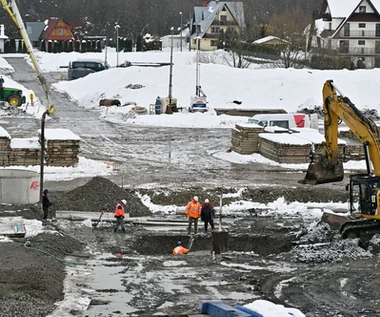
<point>81,68</point>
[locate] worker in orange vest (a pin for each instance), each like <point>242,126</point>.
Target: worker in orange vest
<point>179,249</point>
<point>193,211</point>
<point>120,214</point>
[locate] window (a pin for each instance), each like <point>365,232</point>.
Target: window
<point>346,29</point>
<point>330,25</point>
<point>361,25</point>
<point>377,47</point>
<point>223,19</point>
<point>214,30</point>
<point>280,123</point>
<point>344,46</point>
<point>214,43</point>
<point>361,42</point>
<point>60,31</point>
<point>377,29</point>
<point>362,9</point>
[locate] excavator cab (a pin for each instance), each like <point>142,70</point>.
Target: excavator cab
<point>364,195</point>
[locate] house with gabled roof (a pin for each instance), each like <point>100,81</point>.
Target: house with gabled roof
<point>212,18</point>
<point>351,29</point>
<point>56,30</point>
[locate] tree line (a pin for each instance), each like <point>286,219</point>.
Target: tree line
<point>138,17</point>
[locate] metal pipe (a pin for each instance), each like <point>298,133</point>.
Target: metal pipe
<point>42,158</point>
<point>171,68</point>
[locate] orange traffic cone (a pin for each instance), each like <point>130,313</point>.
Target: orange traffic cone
<point>108,164</point>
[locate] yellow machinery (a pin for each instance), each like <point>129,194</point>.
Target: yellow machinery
<point>364,189</point>
<point>11,7</point>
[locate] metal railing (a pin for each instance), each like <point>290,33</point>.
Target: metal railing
<point>220,22</point>
<point>359,51</point>
<point>359,33</point>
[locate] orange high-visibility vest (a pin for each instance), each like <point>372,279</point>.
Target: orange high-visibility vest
<point>119,212</point>
<point>180,250</point>
<point>193,209</point>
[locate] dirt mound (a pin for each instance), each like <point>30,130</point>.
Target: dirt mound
<point>95,194</point>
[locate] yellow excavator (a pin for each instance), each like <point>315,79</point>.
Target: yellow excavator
<point>364,189</point>
<point>11,7</point>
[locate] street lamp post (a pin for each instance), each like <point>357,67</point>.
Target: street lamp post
<point>181,30</point>
<point>117,27</point>
<point>105,49</point>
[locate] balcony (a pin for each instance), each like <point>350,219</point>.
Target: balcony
<point>220,22</point>
<point>359,34</point>
<point>359,51</point>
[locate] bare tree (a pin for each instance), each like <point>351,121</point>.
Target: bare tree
<point>289,25</point>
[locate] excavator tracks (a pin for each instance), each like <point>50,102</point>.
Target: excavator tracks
<point>359,228</point>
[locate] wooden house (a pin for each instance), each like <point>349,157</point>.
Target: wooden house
<point>213,18</point>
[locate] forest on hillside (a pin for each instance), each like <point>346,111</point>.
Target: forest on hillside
<point>137,17</point>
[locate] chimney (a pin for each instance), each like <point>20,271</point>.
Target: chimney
<point>217,1</point>
<point>205,3</point>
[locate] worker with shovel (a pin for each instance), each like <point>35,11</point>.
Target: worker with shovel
<point>119,215</point>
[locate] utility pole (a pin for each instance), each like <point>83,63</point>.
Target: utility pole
<point>117,27</point>
<point>171,67</point>
<point>181,30</point>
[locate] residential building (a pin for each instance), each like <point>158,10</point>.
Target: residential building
<point>211,19</point>
<point>350,29</point>
<point>34,30</point>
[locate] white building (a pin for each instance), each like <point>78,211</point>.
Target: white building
<point>351,29</point>
<point>3,38</point>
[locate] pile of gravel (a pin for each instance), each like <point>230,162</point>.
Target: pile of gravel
<point>95,194</point>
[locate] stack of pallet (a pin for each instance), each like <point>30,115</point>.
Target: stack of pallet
<point>24,152</point>
<point>292,148</point>
<point>245,138</point>
<point>354,150</point>
<point>5,140</point>
<point>62,147</point>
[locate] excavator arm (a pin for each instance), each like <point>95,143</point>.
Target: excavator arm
<point>11,7</point>
<point>329,167</point>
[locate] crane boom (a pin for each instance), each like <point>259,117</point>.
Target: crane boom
<point>11,7</point>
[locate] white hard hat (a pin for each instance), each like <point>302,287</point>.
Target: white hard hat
<point>206,201</point>
<point>196,198</point>
<point>124,201</point>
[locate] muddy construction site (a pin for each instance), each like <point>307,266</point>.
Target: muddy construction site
<point>288,258</point>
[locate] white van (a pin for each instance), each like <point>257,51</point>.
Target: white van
<point>284,120</point>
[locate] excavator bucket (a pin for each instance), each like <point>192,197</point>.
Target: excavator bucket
<point>324,172</point>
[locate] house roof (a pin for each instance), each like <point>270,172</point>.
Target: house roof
<point>341,8</point>
<point>204,16</point>
<point>269,38</point>
<point>34,30</point>
<point>50,25</point>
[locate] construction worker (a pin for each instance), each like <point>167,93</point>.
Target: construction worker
<point>193,211</point>
<point>46,203</point>
<point>208,214</point>
<point>179,249</point>
<point>120,214</point>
